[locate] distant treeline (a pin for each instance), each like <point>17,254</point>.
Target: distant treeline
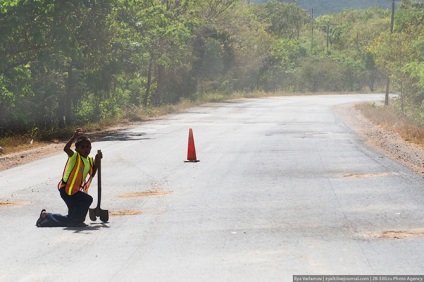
<point>322,7</point>
<point>66,63</point>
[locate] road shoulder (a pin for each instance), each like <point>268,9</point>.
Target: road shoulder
<point>386,142</point>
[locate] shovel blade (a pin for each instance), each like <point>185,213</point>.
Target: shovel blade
<point>92,213</point>
<point>104,215</point>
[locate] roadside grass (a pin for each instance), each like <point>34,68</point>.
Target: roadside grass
<point>16,143</point>
<point>21,142</point>
<point>392,120</point>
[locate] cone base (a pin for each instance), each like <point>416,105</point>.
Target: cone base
<point>193,161</point>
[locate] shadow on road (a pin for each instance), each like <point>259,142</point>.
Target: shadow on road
<point>92,226</point>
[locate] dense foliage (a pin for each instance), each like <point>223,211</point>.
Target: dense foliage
<point>71,62</point>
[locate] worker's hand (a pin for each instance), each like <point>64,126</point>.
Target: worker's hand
<point>78,132</point>
<point>98,157</point>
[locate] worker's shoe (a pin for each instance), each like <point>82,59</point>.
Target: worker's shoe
<point>41,218</point>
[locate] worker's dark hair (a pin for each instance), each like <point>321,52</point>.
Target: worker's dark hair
<point>81,139</point>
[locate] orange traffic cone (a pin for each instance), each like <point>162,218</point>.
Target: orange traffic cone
<point>191,153</point>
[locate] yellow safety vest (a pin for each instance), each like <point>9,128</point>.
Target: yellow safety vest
<point>75,181</point>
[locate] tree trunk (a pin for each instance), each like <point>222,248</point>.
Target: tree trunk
<point>160,88</point>
<point>149,83</point>
<point>65,102</point>
<point>386,97</point>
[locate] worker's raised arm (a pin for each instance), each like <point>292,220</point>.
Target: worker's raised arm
<point>68,145</point>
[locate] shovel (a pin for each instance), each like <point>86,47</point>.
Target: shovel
<point>98,212</point>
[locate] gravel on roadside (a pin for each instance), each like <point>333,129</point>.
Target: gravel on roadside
<point>386,142</point>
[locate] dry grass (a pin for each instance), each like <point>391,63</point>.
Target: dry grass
<point>18,143</point>
<point>392,120</point>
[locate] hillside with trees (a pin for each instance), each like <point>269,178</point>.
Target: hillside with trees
<point>68,63</point>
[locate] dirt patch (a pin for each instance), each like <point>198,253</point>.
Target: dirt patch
<point>12,204</point>
<point>399,234</point>
<point>355,175</point>
<point>125,212</point>
<point>20,158</point>
<point>386,142</point>
<point>145,194</point>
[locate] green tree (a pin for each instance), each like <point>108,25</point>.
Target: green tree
<point>400,55</point>
<point>283,19</point>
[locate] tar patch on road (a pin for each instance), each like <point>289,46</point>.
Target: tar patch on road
<point>12,204</point>
<point>358,175</point>
<point>145,194</point>
<point>125,136</point>
<point>125,212</point>
<point>398,234</point>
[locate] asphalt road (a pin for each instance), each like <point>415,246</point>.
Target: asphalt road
<point>283,188</point>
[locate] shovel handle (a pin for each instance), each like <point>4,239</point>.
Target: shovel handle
<point>99,180</point>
